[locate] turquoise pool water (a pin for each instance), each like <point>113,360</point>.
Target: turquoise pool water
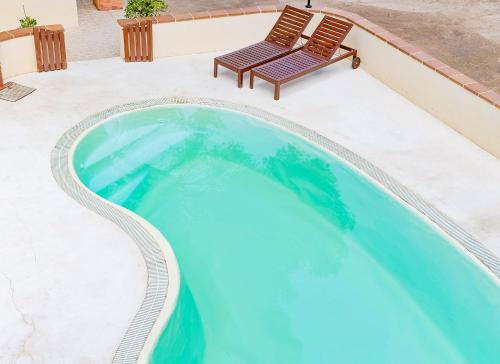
<point>286,254</point>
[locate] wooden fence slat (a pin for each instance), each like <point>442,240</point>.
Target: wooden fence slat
<point>57,50</point>
<point>137,43</point>
<point>126,44</point>
<point>143,42</point>
<point>150,41</point>
<point>62,46</point>
<point>131,37</point>
<point>131,31</point>
<point>45,60</point>
<point>38,51</point>
<point>132,43</point>
<point>50,50</point>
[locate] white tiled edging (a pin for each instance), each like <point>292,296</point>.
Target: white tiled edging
<point>163,274</point>
<point>162,269</point>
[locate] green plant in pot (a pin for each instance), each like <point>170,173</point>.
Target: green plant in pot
<point>27,21</point>
<point>144,8</point>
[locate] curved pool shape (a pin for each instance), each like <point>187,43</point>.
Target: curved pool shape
<point>286,254</point>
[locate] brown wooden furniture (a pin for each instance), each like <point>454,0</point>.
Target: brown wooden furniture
<point>50,49</point>
<point>280,42</point>
<point>138,42</point>
<point>317,53</point>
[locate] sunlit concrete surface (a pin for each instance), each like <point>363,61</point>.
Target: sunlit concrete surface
<point>70,281</point>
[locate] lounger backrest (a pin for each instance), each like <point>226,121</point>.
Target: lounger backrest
<point>327,38</point>
<point>289,27</point>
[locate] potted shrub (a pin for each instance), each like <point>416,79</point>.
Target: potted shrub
<point>144,8</point>
<point>27,21</point>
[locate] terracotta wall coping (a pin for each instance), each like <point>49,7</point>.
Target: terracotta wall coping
<point>23,32</point>
<point>436,65</point>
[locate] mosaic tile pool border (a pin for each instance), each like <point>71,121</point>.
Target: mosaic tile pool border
<point>140,329</point>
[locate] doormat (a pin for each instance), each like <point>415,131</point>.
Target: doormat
<point>13,91</point>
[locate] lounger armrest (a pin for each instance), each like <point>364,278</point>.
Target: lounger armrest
<point>346,48</point>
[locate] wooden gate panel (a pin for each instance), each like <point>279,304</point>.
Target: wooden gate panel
<point>50,49</point>
<point>138,42</point>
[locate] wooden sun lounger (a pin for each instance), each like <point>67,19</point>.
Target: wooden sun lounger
<point>278,43</point>
<point>317,53</point>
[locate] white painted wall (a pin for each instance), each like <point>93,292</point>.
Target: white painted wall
<point>17,56</point>
<point>44,11</point>
<point>473,117</point>
<point>206,35</point>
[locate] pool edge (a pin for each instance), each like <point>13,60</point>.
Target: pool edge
<point>139,340</point>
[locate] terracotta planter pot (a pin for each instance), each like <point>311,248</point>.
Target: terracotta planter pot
<point>108,4</point>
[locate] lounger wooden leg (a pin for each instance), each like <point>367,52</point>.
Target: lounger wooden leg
<point>216,69</point>
<point>252,75</point>
<point>240,79</point>
<point>277,91</point>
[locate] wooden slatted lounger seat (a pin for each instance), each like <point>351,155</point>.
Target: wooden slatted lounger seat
<point>317,53</point>
<point>278,43</point>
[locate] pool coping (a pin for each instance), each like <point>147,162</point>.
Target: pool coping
<point>163,276</point>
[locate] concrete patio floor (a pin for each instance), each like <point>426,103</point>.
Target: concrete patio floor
<point>71,281</point>
<point>97,35</point>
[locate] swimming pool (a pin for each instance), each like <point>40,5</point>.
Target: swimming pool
<point>287,254</point>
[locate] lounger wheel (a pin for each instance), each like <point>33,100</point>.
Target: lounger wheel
<point>356,61</point>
